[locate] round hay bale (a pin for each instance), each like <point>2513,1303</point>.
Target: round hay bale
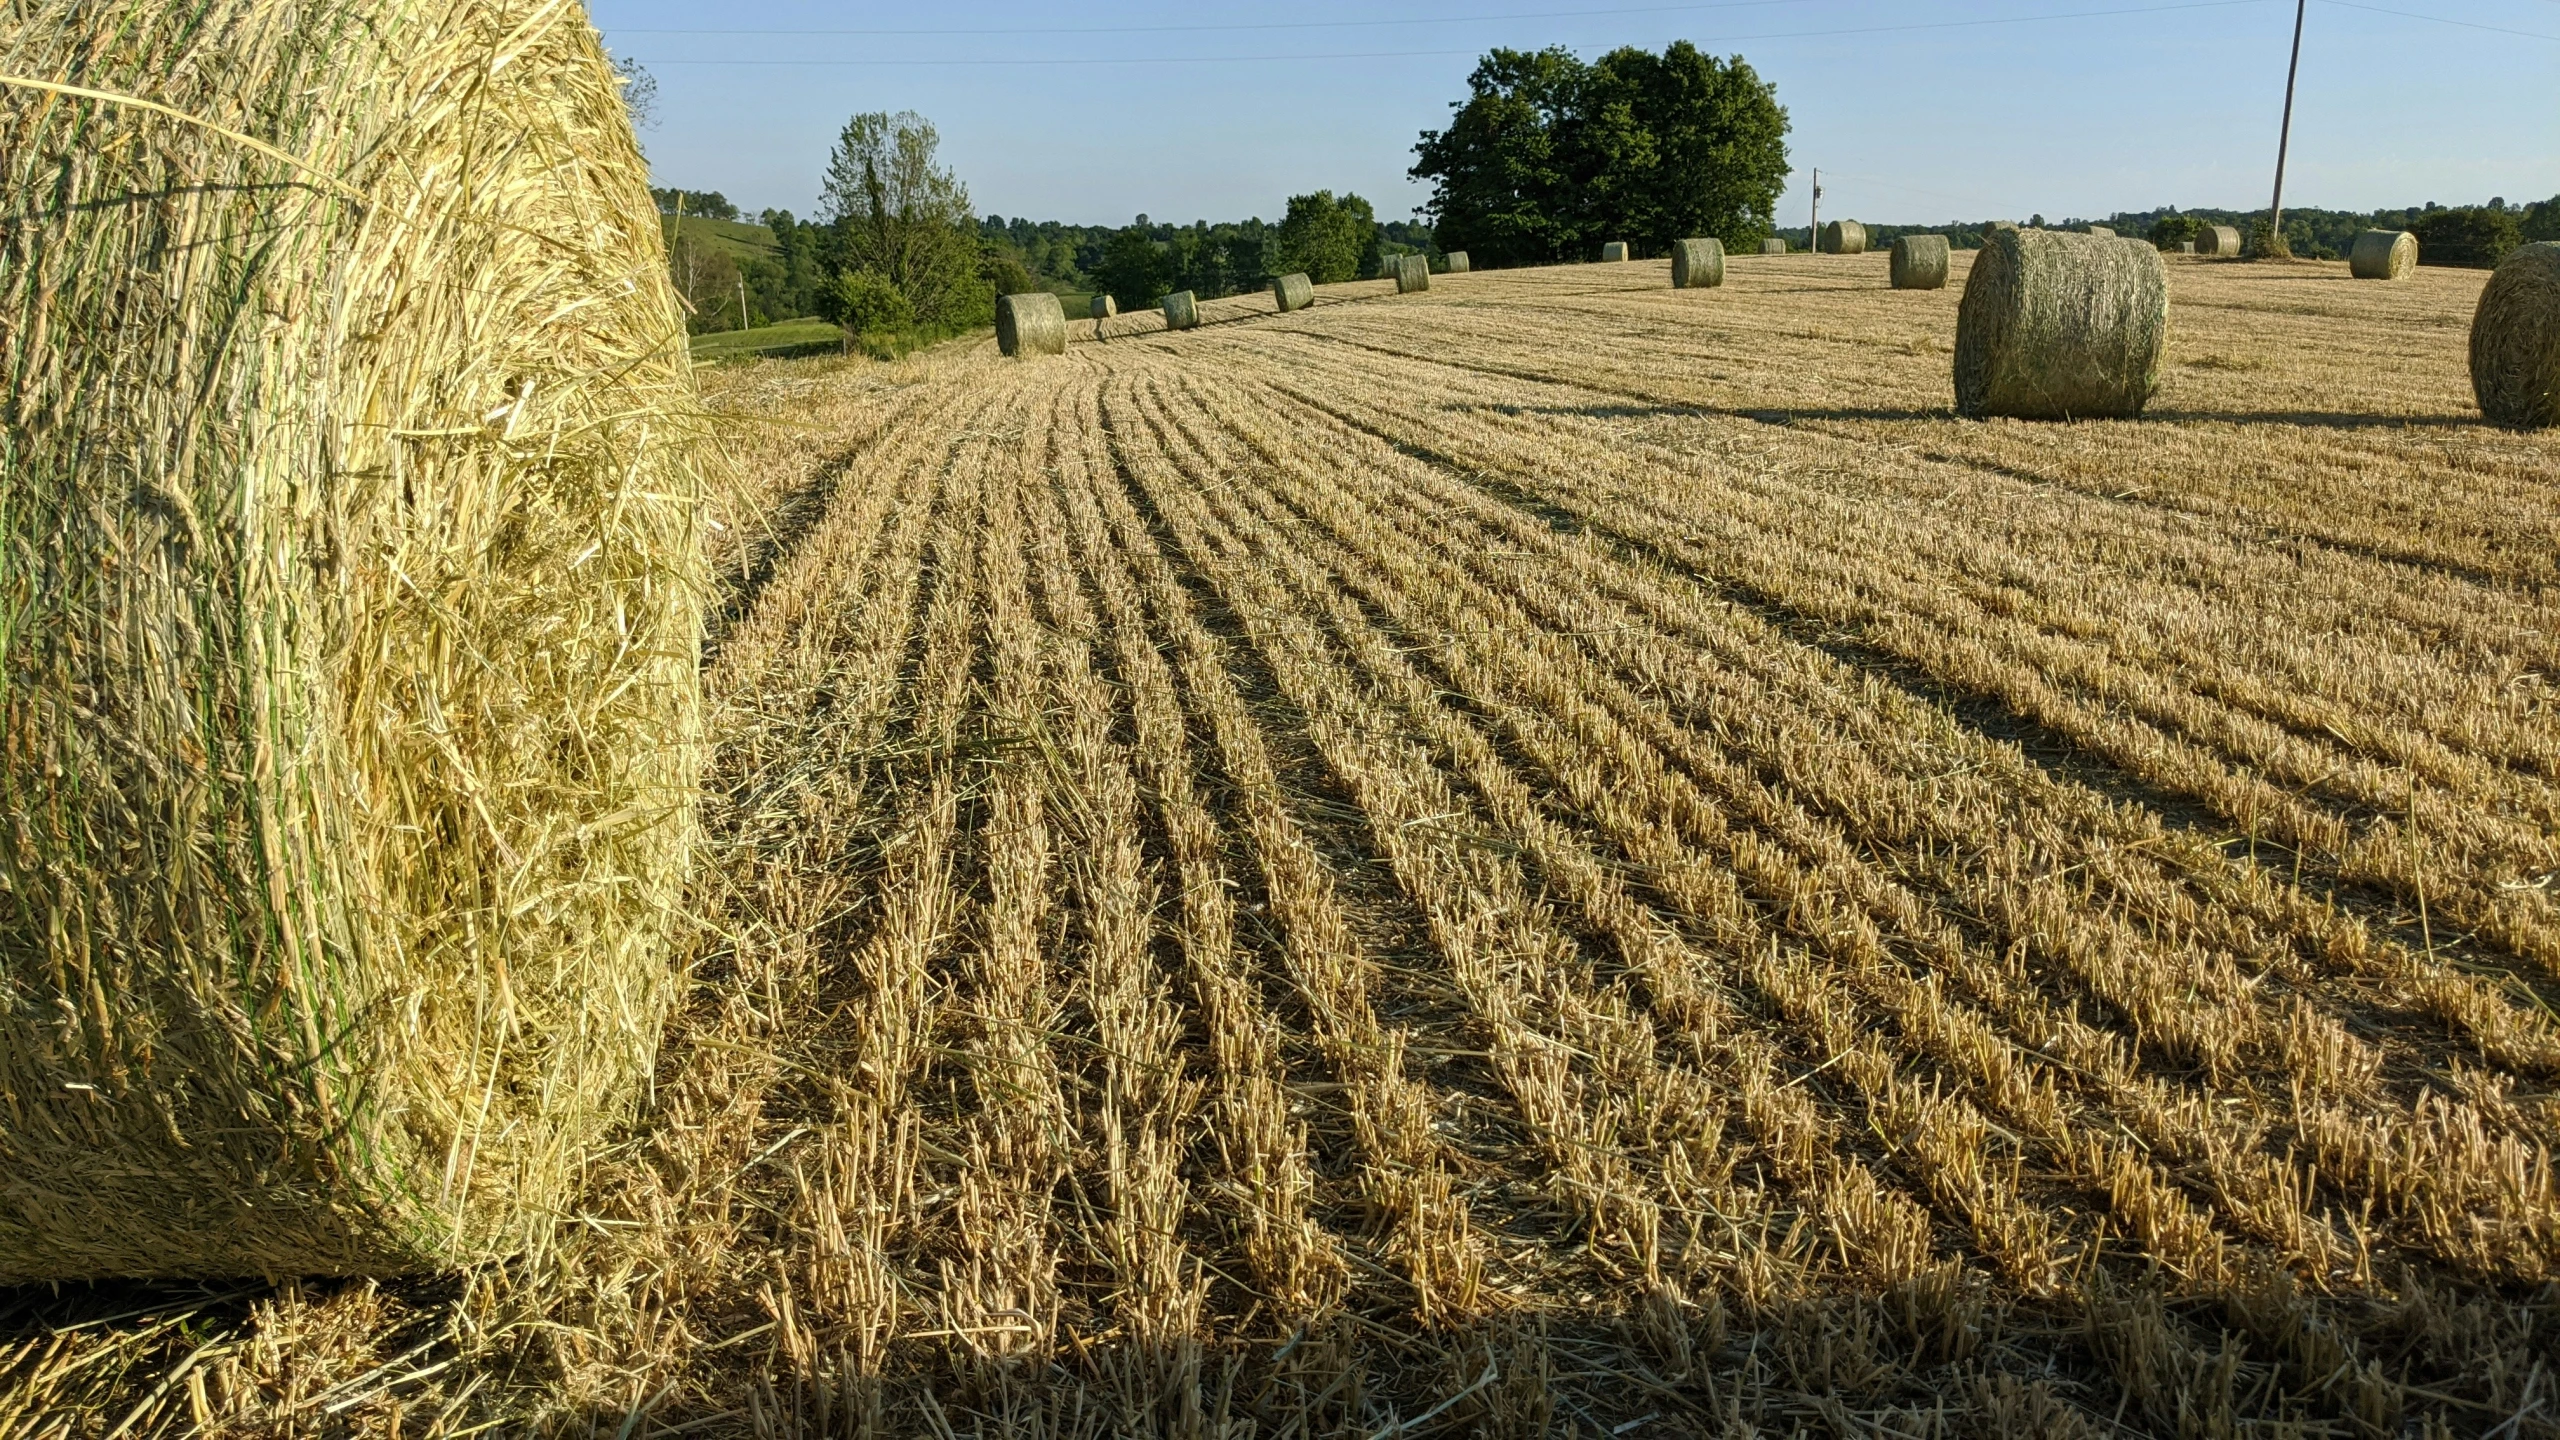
<point>354,728</point>
<point>1293,292</point>
<point>2186,247</point>
<point>1773,246</point>
<point>2515,339</point>
<point>2383,255</point>
<point>1697,264</point>
<point>1457,262</point>
<point>2102,232</point>
<point>2060,326</point>
<point>1105,307</point>
<point>1613,251</point>
<point>1032,323</point>
<point>2221,240</point>
<point>1920,262</point>
<point>1844,237</point>
<point>1181,311</point>
<point>1412,273</point>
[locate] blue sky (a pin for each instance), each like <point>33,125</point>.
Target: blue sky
<point>1166,108</point>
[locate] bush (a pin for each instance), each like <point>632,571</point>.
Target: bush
<point>2170,231</point>
<point>2472,236</point>
<point>2266,242</point>
<point>864,301</point>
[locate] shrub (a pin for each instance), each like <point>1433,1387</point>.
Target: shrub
<point>863,301</point>
<point>2472,236</point>
<point>2170,231</point>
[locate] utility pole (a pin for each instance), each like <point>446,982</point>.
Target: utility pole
<point>1813,233</point>
<point>742,302</point>
<point>2284,138</point>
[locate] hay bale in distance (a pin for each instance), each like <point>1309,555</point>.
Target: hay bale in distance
<point>353,712</point>
<point>1412,272</point>
<point>2383,255</point>
<point>2186,247</point>
<point>2102,232</point>
<point>2515,339</point>
<point>2223,240</point>
<point>1844,237</point>
<point>1105,306</point>
<point>1457,262</point>
<point>2059,326</point>
<point>1613,251</point>
<point>1181,311</point>
<point>1293,292</point>
<point>1920,262</point>
<point>1697,264</point>
<point>1774,245</point>
<point>1031,323</point>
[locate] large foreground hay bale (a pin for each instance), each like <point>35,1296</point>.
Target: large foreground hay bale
<point>1293,292</point>
<point>2515,339</point>
<point>2218,240</point>
<point>1773,246</point>
<point>1920,262</point>
<point>1457,262</point>
<point>1104,307</point>
<point>1412,273</point>
<point>1032,323</point>
<point>1181,311</point>
<point>2383,255</point>
<point>1844,237</point>
<point>352,720</point>
<point>2059,326</point>
<point>1613,251</point>
<point>1697,264</point>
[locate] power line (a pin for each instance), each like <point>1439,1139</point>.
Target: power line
<point>1411,54</point>
<point>1246,25</point>
<point>2442,20</point>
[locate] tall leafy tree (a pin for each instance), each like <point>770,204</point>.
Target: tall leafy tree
<point>1331,240</point>
<point>1133,268</point>
<point>1548,156</point>
<point>903,217</point>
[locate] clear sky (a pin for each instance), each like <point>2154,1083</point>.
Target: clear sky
<point>1094,113</point>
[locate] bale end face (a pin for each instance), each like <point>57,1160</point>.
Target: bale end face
<point>1032,323</point>
<point>1697,264</point>
<point>1773,246</point>
<point>2056,326</point>
<point>1844,237</point>
<point>1613,251</point>
<point>2515,339</point>
<point>1457,262</point>
<point>2383,255</point>
<point>1293,292</point>
<point>1412,273</point>
<point>1181,311</point>
<point>1920,262</point>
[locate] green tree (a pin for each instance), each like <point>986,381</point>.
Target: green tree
<point>2170,231</point>
<point>864,303</point>
<point>905,218</point>
<point>1549,156</point>
<point>1331,240</point>
<point>1134,269</point>
<point>2477,236</point>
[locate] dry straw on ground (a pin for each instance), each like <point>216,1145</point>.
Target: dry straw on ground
<point>1697,264</point>
<point>1844,237</point>
<point>2223,240</point>
<point>2383,255</point>
<point>1031,323</point>
<point>352,707</point>
<point>1457,262</point>
<point>1181,310</point>
<point>2515,339</point>
<point>2058,326</point>
<point>1613,251</point>
<point>1919,262</point>
<point>1412,273</point>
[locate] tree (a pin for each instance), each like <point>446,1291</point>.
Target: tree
<point>1549,156</point>
<point>1328,239</point>
<point>639,93</point>
<point>2170,231</point>
<point>1133,269</point>
<point>2468,235</point>
<point>906,219</point>
<point>864,302</point>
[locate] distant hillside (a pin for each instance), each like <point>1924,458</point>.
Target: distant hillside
<point>740,239</point>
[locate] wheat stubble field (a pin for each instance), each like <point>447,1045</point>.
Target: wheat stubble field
<point>1563,857</point>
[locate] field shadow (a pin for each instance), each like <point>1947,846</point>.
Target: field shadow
<point>2314,419</point>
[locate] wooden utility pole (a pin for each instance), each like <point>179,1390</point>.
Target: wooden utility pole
<point>2284,138</point>
<point>1813,236</point>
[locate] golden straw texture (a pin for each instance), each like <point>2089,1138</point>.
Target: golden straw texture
<point>1031,324</point>
<point>348,680</point>
<point>2383,255</point>
<point>2056,326</point>
<point>2515,339</point>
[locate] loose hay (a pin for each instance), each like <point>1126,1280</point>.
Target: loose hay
<point>2383,255</point>
<point>2515,339</point>
<point>1457,262</point>
<point>1293,292</point>
<point>1031,324</point>
<point>1412,273</point>
<point>352,712</point>
<point>2221,240</point>
<point>1844,237</point>
<point>1697,264</point>
<point>1773,246</point>
<point>2060,326</point>
<point>1181,311</point>
<point>1613,251</point>
<point>1920,262</point>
